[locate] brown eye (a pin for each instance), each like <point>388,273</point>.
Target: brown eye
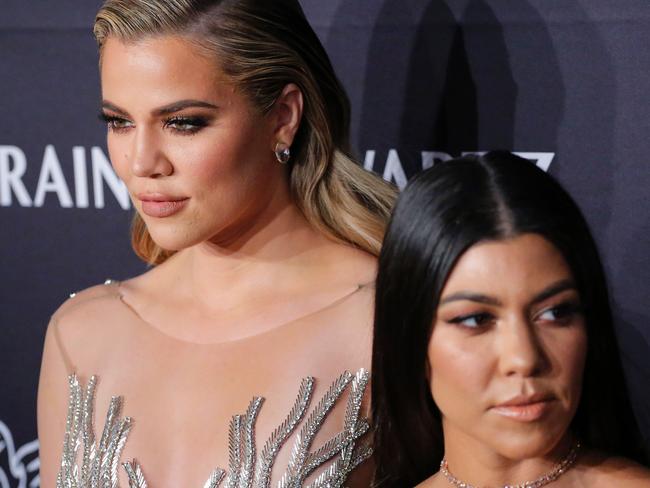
<point>473,321</point>
<point>561,313</point>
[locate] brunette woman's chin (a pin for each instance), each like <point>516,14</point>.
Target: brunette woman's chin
<point>518,448</point>
<point>538,441</point>
<point>514,441</point>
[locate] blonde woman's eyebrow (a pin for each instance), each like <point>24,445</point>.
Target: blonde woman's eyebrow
<point>165,109</point>
<point>181,105</point>
<point>114,108</point>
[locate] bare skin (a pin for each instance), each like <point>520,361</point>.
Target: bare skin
<point>509,326</point>
<point>254,300</point>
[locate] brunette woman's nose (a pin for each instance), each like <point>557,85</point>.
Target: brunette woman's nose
<point>147,158</point>
<point>520,351</point>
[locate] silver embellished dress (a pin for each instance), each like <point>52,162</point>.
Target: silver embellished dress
<point>91,461</point>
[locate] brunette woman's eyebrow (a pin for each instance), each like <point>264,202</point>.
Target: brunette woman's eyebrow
<point>553,290</point>
<point>472,297</point>
<point>546,293</point>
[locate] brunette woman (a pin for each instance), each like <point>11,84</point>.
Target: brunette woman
<point>495,361</point>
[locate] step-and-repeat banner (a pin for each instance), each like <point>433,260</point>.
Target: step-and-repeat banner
<point>563,82</point>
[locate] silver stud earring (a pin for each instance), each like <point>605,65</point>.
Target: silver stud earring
<point>282,153</point>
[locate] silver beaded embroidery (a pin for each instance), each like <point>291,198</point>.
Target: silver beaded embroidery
<point>247,469</point>
<point>99,464</point>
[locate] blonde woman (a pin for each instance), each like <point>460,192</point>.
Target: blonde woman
<point>230,130</point>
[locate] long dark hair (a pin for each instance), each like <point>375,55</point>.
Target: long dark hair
<point>441,214</point>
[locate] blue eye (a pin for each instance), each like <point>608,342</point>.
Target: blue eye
<point>473,321</point>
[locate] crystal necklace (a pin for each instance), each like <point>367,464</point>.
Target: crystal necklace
<point>559,469</point>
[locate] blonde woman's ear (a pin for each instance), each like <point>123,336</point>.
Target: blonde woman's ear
<point>287,114</point>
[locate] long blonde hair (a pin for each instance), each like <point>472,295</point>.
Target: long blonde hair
<point>262,46</point>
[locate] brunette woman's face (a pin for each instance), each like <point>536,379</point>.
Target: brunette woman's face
<point>508,347</point>
<point>197,158</point>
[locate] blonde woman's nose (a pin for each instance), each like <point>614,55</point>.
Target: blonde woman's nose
<point>147,157</point>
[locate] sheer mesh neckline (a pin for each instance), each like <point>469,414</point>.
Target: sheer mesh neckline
<point>115,287</point>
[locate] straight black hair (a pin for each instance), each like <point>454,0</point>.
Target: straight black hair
<point>440,215</point>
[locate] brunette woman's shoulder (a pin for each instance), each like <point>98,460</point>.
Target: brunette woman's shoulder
<point>600,470</point>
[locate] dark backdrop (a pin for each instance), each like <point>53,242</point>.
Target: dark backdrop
<point>564,81</point>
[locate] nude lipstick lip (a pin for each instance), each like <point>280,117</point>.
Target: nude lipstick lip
<point>525,408</point>
<point>160,205</point>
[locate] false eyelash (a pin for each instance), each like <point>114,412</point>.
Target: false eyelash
<point>461,318</point>
<point>197,122</point>
<point>106,118</point>
<point>481,319</point>
<point>565,310</point>
<point>110,121</point>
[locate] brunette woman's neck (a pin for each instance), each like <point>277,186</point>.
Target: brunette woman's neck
<point>478,464</point>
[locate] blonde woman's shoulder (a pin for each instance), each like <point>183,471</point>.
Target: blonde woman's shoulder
<point>83,305</point>
<point>83,323</point>
<point>79,298</point>
<point>350,264</point>
<point>78,340</point>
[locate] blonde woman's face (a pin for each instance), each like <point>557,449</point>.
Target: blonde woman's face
<point>508,347</point>
<point>196,157</point>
